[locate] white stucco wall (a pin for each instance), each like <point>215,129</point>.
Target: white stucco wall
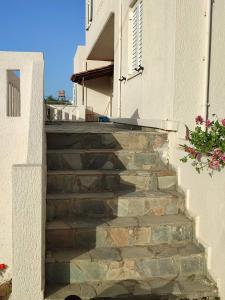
<point>205,195</point>
<point>158,56</point>
<point>217,74</point>
<point>22,143</point>
<point>156,82</point>
<point>190,60</point>
<point>206,203</point>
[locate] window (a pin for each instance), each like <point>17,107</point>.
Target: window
<point>89,12</point>
<point>136,35</point>
<point>13,93</point>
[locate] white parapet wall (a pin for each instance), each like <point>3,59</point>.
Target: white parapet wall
<point>23,168</point>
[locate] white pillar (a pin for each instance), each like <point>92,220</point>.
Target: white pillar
<point>28,211</point>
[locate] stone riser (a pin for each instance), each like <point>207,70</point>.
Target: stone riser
<point>89,238</point>
<point>158,289</point>
<point>120,160</point>
<point>117,140</point>
<point>79,271</point>
<point>100,182</point>
<point>119,206</point>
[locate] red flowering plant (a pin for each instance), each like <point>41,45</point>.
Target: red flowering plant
<point>3,267</point>
<point>206,146</point>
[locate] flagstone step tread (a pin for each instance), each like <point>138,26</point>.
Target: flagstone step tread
<point>80,138</point>
<point>109,180</point>
<point>121,194</point>
<point>97,151</point>
<point>111,172</point>
<point>124,222</point>
<point>89,233</point>
<point>123,253</point>
<point>106,160</point>
<point>121,263</point>
<point>191,288</point>
<point>86,128</point>
<point>114,204</point>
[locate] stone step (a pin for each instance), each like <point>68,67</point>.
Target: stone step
<point>159,289</point>
<point>108,180</point>
<point>119,232</point>
<point>113,204</point>
<point>129,140</point>
<point>105,159</point>
<point>126,263</point>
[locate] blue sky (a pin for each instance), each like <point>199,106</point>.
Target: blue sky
<point>55,27</point>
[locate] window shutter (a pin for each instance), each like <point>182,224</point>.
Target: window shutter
<point>137,32</point>
<point>89,12</point>
<point>140,36</point>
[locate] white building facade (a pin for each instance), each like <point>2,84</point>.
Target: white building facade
<point>169,67</point>
<point>168,59</point>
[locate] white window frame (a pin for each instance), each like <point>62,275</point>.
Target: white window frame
<point>136,36</point>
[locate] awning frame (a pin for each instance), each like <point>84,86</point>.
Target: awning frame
<point>93,74</point>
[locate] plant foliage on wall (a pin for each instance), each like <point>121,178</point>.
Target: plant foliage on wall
<point>206,145</point>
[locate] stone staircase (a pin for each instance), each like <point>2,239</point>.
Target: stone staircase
<point>116,226</point>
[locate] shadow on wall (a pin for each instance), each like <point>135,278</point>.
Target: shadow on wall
<point>99,95</point>
<point>135,115</point>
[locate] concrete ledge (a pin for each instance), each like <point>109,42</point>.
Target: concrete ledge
<point>159,124</point>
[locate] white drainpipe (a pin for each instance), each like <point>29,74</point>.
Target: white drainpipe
<point>208,14</point>
<point>120,62</point>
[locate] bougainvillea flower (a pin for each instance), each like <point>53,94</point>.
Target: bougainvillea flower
<point>214,164</point>
<point>199,120</point>
<point>191,151</point>
<point>217,152</point>
<point>223,158</point>
<point>223,122</point>
<point>3,267</point>
<point>208,123</point>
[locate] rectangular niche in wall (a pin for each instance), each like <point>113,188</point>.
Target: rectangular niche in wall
<point>13,93</point>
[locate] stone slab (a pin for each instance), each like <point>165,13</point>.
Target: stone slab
<point>70,159</point>
<point>106,181</point>
<point>98,139</point>
<point>122,231</point>
<point>125,263</point>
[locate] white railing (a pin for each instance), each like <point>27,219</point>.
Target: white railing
<point>57,112</point>
<point>23,180</point>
